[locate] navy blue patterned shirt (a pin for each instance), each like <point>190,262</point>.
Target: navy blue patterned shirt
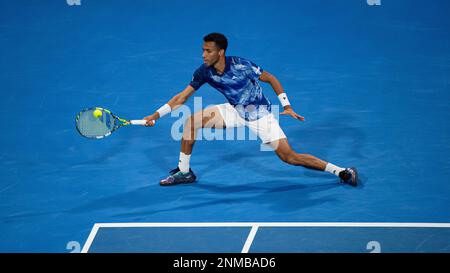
<point>238,83</point>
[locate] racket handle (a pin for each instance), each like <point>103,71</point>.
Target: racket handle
<point>139,122</point>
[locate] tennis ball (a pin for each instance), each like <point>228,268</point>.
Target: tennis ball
<point>97,113</point>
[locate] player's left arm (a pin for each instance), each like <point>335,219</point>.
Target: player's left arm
<point>276,85</point>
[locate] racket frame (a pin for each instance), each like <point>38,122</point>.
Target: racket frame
<point>123,122</point>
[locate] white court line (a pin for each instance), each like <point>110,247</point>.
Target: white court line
<point>249,241</point>
<point>256,225</point>
<point>276,224</point>
<point>90,239</point>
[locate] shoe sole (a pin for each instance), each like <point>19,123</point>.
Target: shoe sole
<point>174,184</point>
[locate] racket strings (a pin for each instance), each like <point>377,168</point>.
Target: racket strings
<point>90,126</point>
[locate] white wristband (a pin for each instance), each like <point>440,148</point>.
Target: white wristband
<point>164,110</point>
<point>284,99</point>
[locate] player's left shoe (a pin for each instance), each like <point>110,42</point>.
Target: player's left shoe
<point>349,176</point>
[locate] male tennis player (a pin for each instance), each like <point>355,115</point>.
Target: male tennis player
<point>237,79</point>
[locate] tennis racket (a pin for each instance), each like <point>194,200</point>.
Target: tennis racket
<point>96,122</point>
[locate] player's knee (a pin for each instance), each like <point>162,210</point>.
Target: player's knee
<point>207,119</point>
<point>191,122</point>
<point>293,158</point>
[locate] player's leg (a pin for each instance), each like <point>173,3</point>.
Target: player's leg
<point>207,118</point>
<point>270,132</point>
<point>288,155</point>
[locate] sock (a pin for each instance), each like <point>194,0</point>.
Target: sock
<point>183,163</point>
<point>333,169</point>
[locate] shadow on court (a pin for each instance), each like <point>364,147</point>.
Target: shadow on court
<point>279,195</point>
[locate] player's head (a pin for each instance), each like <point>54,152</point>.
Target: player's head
<point>214,47</point>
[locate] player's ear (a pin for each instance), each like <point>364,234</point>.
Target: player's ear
<point>221,52</point>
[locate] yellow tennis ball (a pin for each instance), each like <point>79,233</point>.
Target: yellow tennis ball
<point>97,113</point>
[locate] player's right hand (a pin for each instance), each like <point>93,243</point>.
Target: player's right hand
<point>150,120</point>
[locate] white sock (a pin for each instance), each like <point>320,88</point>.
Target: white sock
<point>183,163</point>
<point>333,169</point>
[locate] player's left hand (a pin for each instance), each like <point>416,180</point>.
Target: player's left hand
<point>290,112</point>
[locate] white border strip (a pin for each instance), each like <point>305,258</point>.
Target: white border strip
<point>255,227</point>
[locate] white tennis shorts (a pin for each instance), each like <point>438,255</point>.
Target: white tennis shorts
<point>266,128</point>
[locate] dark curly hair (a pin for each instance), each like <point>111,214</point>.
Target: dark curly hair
<point>218,38</point>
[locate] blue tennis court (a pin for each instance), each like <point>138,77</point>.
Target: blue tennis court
<point>372,81</point>
<point>268,237</point>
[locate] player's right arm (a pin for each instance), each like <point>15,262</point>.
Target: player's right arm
<point>172,104</point>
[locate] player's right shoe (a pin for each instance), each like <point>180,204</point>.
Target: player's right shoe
<point>349,176</point>
<point>178,178</point>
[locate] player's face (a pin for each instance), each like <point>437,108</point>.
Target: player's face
<point>211,53</point>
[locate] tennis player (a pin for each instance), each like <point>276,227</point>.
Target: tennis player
<point>238,80</point>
